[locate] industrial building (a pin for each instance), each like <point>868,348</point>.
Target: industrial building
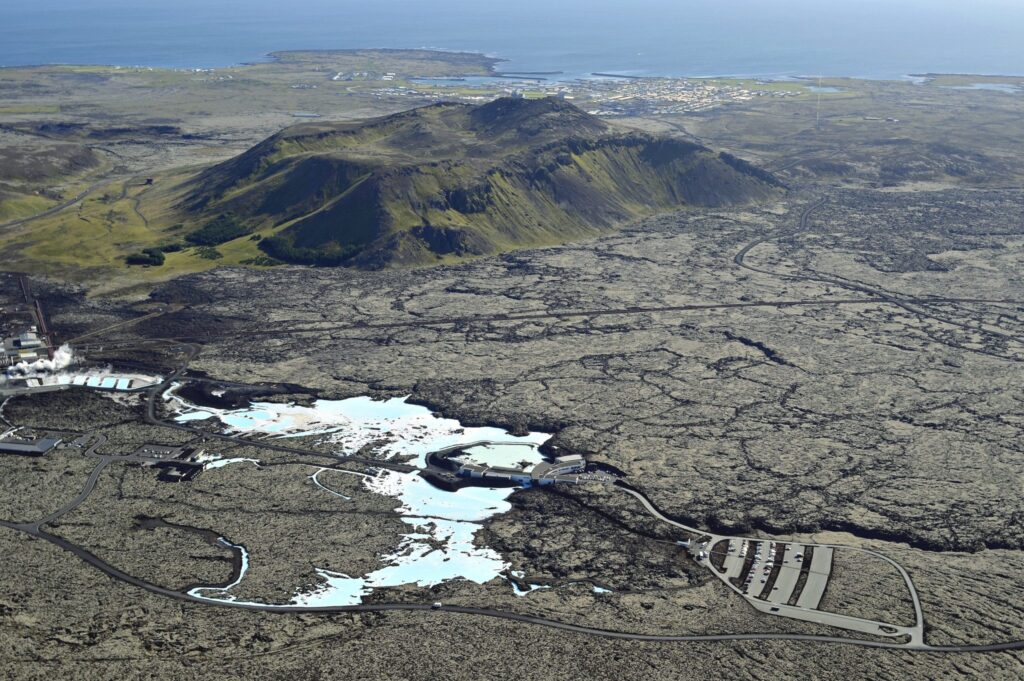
<point>65,381</point>
<point>174,463</point>
<point>176,471</point>
<point>28,447</point>
<point>562,465</point>
<point>27,346</point>
<point>562,469</point>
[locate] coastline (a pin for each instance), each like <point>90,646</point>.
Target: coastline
<point>492,61</point>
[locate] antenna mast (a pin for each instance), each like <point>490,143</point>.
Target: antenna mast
<point>817,112</point>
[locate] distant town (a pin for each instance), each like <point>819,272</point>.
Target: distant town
<point>603,94</point>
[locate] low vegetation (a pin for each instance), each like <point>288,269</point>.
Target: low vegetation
<point>220,230</point>
<point>455,180</point>
<point>149,256</point>
<point>208,253</point>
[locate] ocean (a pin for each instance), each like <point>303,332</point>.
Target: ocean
<point>765,38</point>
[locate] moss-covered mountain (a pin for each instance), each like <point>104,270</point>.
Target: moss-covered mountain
<point>454,179</point>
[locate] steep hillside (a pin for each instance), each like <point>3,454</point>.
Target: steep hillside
<point>453,179</point>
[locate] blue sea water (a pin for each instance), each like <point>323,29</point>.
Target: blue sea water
<point>774,38</point>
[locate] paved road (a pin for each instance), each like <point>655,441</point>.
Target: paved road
<point>653,510</point>
<point>122,576</point>
<point>805,217</point>
<point>87,489</point>
<point>870,299</point>
<point>56,209</point>
<point>90,485</point>
<point>280,332</point>
<point>167,309</point>
<point>917,635</point>
<point>910,304</point>
<point>35,530</point>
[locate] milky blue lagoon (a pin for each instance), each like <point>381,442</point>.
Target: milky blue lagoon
<point>439,545</point>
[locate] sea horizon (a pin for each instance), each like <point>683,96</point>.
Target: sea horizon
<point>867,39</point>
<point>499,73</point>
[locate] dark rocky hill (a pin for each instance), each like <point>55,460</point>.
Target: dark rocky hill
<point>452,180</point>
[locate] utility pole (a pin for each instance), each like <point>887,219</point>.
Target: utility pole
<point>817,112</point>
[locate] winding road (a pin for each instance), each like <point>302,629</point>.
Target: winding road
<point>56,209</point>
<point>871,299</point>
<point>906,303</point>
<point>916,633</point>
<point>36,528</point>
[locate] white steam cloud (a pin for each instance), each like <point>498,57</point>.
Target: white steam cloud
<point>62,359</point>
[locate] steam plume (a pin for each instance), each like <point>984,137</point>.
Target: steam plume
<point>62,359</point>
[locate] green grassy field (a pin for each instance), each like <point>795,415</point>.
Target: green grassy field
<point>90,241</point>
<point>21,206</point>
<point>30,109</point>
<point>869,132</point>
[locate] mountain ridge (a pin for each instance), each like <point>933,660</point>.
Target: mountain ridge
<point>455,180</point>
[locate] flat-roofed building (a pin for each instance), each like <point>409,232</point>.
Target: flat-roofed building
<point>29,339</point>
<point>63,380</point>
<point>26,346</point>
<point>545,472</point>
<point>177,471</point>
<point>28,447</point>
